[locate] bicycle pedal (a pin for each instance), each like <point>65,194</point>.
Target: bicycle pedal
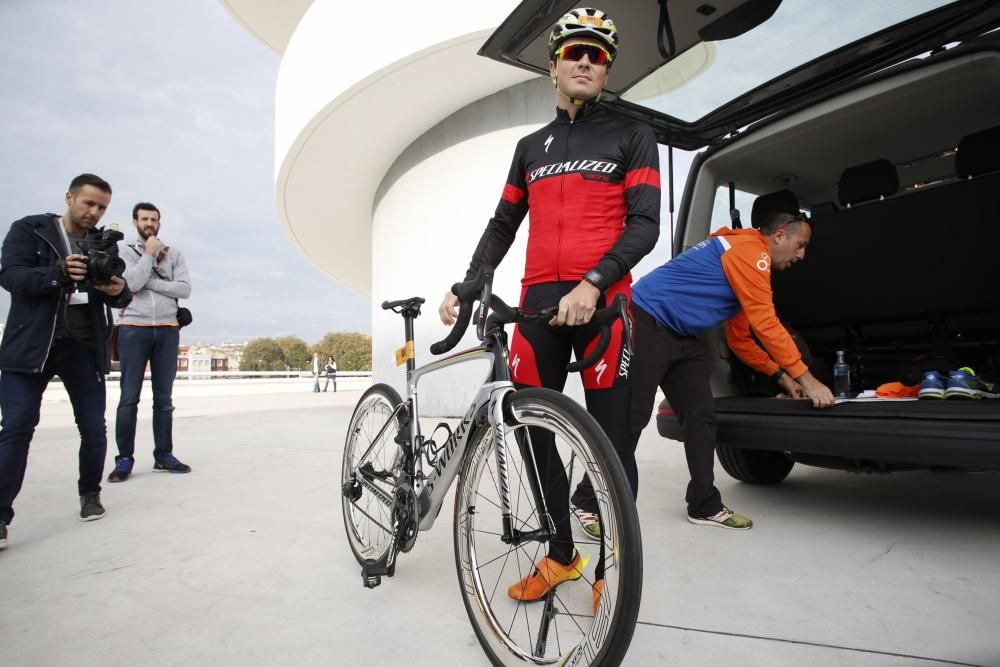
<point>371,573</point>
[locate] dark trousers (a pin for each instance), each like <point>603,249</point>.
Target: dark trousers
<point>677,364</point>
<point>539,355</point>
<point>20,401</point>
<point>138,346</point>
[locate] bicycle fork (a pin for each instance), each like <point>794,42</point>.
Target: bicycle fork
<point>512,534</point>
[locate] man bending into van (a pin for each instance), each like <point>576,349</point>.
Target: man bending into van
<point>724,279</point>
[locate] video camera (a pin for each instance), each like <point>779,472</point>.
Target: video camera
<point>100,247</point>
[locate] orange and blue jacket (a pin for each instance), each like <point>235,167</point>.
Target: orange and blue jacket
<point>724,279</point>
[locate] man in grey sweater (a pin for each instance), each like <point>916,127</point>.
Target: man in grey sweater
<point>149,334</point>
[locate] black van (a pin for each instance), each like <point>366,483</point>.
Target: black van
<point>883,119</point>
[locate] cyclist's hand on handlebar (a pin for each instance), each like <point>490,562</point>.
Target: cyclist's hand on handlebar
<point>577,307</point>
<point>448,310</point>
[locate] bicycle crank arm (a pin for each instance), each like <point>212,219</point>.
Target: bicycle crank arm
<point>548,613</point>
<point>373,570</point>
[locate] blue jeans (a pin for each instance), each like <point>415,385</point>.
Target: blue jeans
<point>20,400</point>
<point>138,346</point>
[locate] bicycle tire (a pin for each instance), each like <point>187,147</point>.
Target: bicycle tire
<point>367,520</point>
<point>585,637</point>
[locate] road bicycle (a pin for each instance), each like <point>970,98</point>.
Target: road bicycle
<point>511,451</point>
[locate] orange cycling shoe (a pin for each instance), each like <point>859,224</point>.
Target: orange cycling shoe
<point>547,575</point>
<point>598,592</point>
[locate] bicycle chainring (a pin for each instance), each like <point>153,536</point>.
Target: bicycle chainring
<point>406,515</point>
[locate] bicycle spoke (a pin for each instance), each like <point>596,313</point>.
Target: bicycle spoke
<point>487,532</point>
<point>373,519</point>
<point>499,580</point>
<point>509,551</point>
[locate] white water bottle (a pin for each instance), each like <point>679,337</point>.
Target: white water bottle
<point>841,377</point>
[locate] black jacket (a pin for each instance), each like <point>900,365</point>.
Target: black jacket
<point>29,270</point>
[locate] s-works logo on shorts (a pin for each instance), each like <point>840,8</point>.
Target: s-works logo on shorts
<point>625,362</point>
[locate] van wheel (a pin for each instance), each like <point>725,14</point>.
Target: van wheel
<point>754,466</point>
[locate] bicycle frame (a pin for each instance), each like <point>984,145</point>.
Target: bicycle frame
<point>486,408</point>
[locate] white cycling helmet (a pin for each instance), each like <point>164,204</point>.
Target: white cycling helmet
<point>584,22</point>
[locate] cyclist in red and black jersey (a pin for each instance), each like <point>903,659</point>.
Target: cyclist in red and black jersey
<point>589,181</point>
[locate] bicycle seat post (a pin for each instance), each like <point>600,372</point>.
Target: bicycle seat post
<point>410,310</point>
<point>408,316</point>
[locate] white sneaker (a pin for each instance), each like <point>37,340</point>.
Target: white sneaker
<point>588,521</point>
<point>726,518</point>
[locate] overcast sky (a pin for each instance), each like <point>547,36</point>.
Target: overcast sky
<point>171,102</point>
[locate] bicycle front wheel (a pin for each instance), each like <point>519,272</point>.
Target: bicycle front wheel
<point>551,434</point>
<point>371,458</point>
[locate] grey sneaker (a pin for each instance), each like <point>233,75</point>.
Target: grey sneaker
<point>726,518</point>
<point>3,536</point>
<point>91,508</point>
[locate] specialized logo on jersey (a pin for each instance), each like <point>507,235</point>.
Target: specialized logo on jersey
<point>548,142</point>
<point>764,263</point>
<point>514,363</point>
<point>600,368</point>
<point>589,169</point>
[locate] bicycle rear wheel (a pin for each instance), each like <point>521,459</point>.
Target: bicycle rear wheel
<point>562,628</point>
<point>371,458</point>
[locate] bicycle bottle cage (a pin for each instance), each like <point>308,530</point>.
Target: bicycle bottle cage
<point>431,448</point>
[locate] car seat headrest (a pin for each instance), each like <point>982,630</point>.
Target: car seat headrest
<point>867,181</point>
<point>783,201</point>
<point>978,153</point>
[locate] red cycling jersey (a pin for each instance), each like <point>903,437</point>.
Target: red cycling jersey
<point>592,188</point>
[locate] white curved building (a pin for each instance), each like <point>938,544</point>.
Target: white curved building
<point>392,147</point>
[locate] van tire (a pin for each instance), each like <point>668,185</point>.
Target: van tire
<point>754,466</point>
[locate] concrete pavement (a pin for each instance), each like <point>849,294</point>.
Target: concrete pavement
<point>244,561</point>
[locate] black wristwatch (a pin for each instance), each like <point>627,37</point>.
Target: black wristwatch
<point>777,376</point>
<point>595,278</point>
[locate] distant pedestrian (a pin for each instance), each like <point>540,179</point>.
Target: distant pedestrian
<point>58,324</point>
<point>149,334</point>
<point>331,373</point>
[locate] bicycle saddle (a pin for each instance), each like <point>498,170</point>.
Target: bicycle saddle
<point>404,304</point>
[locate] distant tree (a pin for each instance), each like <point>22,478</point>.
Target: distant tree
<point>262,354</point>
<point>296,352</point>
<point>353,351</point>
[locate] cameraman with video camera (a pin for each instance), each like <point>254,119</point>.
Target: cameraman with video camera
<point>63,276</point>
<point>149,333</point>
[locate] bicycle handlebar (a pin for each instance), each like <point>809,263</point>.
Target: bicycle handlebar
<point>467,293</point>
<point>605,318</point>
<point>481,288</point>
